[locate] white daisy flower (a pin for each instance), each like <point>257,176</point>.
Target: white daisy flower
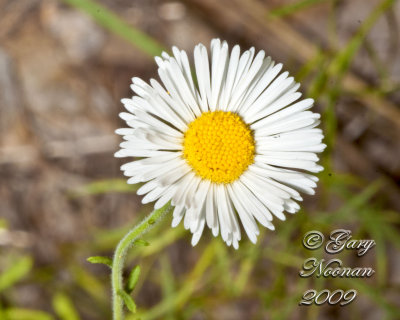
<point>228,145</point>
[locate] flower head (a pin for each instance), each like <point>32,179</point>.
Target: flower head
<point>232,145</point>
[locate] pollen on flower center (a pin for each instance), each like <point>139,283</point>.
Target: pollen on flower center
<point>219,146</point>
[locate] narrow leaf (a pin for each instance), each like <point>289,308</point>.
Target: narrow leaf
<point>141,242</point>
<point>103,260</point>
<point>133,279</point>
<point>128,300</point>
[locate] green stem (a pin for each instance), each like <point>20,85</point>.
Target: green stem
<point>120,253</point>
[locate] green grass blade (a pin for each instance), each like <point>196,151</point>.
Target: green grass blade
<point>294,7</point>
<point>89,283</point>
<point>179,298</point>
<point>64,307</point>
<point>15,273</point>
<point>104,186</point>
<point>342,61</point>
<point>349,211</point>
<point>116,25</point>
<point>167,282</point>
<point>26,314</point>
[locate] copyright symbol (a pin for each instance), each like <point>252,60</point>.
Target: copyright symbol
<point>313,240</point>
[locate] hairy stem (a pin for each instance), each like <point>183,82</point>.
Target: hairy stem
<point>120,254</point>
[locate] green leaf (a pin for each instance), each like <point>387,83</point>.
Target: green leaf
<point>64,307</point>
<point>141,242</point>
<point>128,300</point>
<point>26,314</point>
<point>98,259</point>
<point>16,272</point>
<point>133,279</point>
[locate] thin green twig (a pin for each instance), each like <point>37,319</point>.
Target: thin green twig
<point>120,255</point>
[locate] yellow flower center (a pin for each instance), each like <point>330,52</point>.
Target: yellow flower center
<point>219,146</point>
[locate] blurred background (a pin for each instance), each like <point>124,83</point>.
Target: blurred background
<point>65,65</point>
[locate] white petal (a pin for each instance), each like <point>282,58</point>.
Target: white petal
<point>167,196</point>
<point>197,235</point>
<point>180,114</point>
<point>266,74</point>
<point>247,219</point>
<point>127,116</point>
<point>177,215</point>
<point>273,91</point>
<point>243,85</point>
<point>295,108</point>
<point>154,194</point>
<point>201,194</point>
<point>230,78</point>
<point>249,201</point>
<point>203,75</point>
<point>222,207</point>
<point>211,208</point>
<point>219,62</point>
<point>175,96</point>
